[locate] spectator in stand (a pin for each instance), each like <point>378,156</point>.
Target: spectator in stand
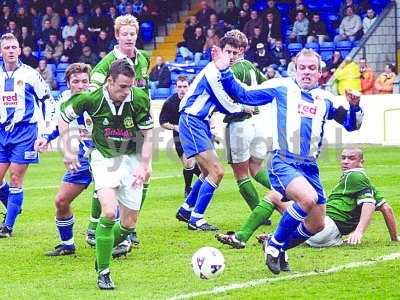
<point>149,13</point>
<point>345,4</point>
<point>262,58</point>
<point>82,29</point>
<point>291,68</point>
<point>81,15</point>
<point>348,76</point>
<point>13,28</point>
<point>36,22</point>
<point>18,4</point>
<point>384,82</point>
<point>300,28</point>
<point>257,38</point>
<point>26,39</point>
<point>367,77</point>
<point>28,58</point>
<point>270,73</point>
<point>271,28</point>
<point>334,62</point>
<point>203,15</point>
<point>52,16</point>
<point>112,14</point>
<point>368,20</point>
<point>137,6</point>
<point>6,16</point>
<point>88,57</point>
<point>211,40</point>
<point>70,29</point>
<point>231,15</point>
<point>193,48</point>
<point>23,18</point>
<point>280,56</point>
<point>45,33</point>
<point>97,22</point>
<point>271,7</point>
<point>121,7</point>
<point>64,17</point>
<point>299,5</point>
<point>350,28</point>
<point>103,43</point>
<point>53,49</point>
<point>325,76</point>
<point>244,17</point>
<point>83,41</point>
<point>46,74</point>
<point>70,53</point>
<point>160,76</point>
<point>255,21</point>
<point>190,26</point>
<point>317,30</point>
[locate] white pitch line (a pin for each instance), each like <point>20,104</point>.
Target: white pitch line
<point>252,283</point>
<point>48,187</point>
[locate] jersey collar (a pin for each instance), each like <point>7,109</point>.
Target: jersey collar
<point>354,170</point>
<point>120,55</point>
<point>111,104</point>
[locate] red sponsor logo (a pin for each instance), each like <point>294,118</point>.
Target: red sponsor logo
<point>307,110</point>
<point>10,100</point>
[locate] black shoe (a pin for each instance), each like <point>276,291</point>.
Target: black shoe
<point>91,237</point>
<point>181,218</point>
<point>5,232</point>
<point>104,281</point>
<point>272,258</point>
<point>122,249</point>
<point>263,237</point>
<point>230,239</point>
<point>267,222</point>
<point>202,226</point>
<point>133,237</point>
<point>61,250</point>
<point>284,262</point>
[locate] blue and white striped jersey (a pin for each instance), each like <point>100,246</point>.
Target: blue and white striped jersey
<point>205,95</point>
<point>298,116</point>
<point>23,92</point>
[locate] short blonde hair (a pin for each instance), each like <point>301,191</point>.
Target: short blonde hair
<point>240,36</point>
<point>125,20</point>
<point>77,68</point>
<point>309,52</point>
<point>8,37</point>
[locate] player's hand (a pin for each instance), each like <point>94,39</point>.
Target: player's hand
<point>41,144</point>
<point>140,175</point>
<point>249,109</point>
<point>221,61</point>
<point>71,162</point>
<point>353,97</point>
<point>354,238</point>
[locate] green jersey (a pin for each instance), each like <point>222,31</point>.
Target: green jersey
<point>141,65</point>
<point>345,202</point>
<point>115,128</point>
<point>247,73</point>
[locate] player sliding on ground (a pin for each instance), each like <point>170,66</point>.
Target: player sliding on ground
<point>121,117</point>
<point>300,110</point>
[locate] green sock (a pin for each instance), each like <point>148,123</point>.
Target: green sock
<point>104,243</point>
<point>262,178</point>
<point>120,233</point>
<point>94,213</point>
<point>248,192</point>
<point>145,189</point>
<point>262,212</point>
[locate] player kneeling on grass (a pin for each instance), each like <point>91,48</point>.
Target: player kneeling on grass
<point>121,120</point>
<point>349,209</point>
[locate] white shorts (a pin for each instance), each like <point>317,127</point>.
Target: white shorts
<point>329,237</point>
<point>245,139</point>
<point>117,173</point>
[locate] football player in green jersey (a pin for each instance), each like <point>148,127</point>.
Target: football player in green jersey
<point>122,122</point>
<point>126,29</point>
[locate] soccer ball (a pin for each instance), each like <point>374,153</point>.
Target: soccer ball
<point>208,263</point>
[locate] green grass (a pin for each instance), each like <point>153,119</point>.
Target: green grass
<point>160,267</point>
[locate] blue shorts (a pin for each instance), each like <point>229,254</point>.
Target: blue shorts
<point>18,146</point>
<point>83,176</point>
<point>195,135</point>
<point>283,170</point>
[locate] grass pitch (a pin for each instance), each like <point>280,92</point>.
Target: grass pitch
<point>160,267</point>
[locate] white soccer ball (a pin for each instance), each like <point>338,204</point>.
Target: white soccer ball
<point>208,263</point>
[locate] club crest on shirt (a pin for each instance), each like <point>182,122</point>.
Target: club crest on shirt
<point>20,83</point>
<point>128,122</point>
<point>307,109</point>
<point>105,122</point>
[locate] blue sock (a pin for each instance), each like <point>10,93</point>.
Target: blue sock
<point>4,192</point>
<point>299,236</point>
<point>65,229</point>
<point>291,218</point>
<point>190,201</point>
<point>206,193</point>
<point>14,205</point>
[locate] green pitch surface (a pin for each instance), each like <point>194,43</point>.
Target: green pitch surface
<point>160,267</point>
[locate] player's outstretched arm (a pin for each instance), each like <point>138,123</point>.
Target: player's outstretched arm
<point>390,221</point>
<point>367,211</point>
